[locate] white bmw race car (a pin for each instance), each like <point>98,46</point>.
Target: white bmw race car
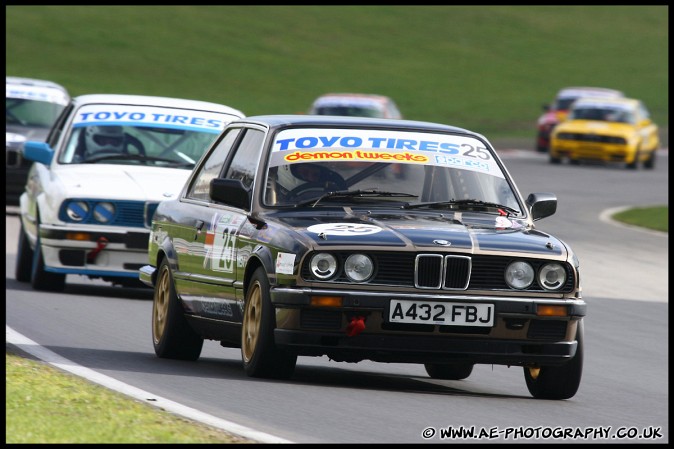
<point>95,183</point>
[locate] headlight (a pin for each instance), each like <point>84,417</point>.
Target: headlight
<point>519,275</point>
<point>552,276</point>
<point>323,265</point>
<point>77,210</point>
<point>358,267</point>
<point>103,212</point>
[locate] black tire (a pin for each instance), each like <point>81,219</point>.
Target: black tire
<point>172,336</point>
<point>454,371</point>
<point>260,355</point>
<point>650,162</point>
<point>555,160</point>
<point>557,382</point>
<point>24,258</point>
<point>41,279</point>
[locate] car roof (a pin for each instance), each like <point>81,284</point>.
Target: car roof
<point>278,121</point>
<point>148,100</point>
<point>621,102</point>
<point>587,91</point>
<point>33,82</point>
<point>35,89</point>
<point>344,98</point>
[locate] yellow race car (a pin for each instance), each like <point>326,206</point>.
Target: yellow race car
<point>606,130</point>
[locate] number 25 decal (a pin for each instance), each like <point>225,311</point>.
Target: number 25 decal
<point>223,250</point>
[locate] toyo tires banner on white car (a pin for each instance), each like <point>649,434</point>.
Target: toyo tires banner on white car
<point>159,117</point>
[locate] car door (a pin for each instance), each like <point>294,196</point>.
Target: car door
<point>207,261</point>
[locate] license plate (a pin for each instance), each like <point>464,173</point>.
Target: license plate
<point>442,313</point>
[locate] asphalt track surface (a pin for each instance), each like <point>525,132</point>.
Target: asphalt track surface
<point>102,333</point>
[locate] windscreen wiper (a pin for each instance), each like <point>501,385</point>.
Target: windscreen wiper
<point>370,193</point>
<point>138,157</point>
<point>465,202</point>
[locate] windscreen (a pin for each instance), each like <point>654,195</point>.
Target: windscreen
<point>308,162</point>
<point>145,135</point>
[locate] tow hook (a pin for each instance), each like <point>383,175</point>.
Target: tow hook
<point>101,243</point>
<point>355,326</point>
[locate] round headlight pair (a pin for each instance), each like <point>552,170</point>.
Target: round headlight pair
<point>520,275</point>
<point>357,267</point>
<point>79,210</point>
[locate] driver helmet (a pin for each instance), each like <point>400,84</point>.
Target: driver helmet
<point>104,138</point>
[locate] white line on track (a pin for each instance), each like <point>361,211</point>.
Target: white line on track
<point>44,354</point>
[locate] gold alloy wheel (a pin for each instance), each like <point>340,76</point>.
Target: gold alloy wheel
<point>252,318</point>
<point>160,305</point>
<point>534,372</point>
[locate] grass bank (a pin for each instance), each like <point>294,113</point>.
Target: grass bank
<point>486,68</point>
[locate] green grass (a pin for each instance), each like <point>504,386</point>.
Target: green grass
<point>45,405</point>
<point>654,217</point>
<point>485,68</point>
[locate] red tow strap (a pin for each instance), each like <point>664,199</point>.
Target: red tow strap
<point>100,245</point>
<point>355,326</point>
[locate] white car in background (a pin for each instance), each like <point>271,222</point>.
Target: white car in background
<point>355,105</point>
<point>31,108</point>
<point>95,183</point>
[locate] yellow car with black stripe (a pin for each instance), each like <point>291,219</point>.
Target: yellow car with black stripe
<point>616,130</point>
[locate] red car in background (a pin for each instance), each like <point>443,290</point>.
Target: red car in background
<point>556,112</point>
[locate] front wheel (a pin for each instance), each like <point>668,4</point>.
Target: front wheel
<point>40,278</point>
<point>172,336</point>
<point>557,382</point>
<point>455,371</point>
<point>260,355</point>
<point>650,162</point>
<point>24,258</point>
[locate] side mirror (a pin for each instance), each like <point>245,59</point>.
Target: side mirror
<point>231,192</point>
<point>38,152</point>
<point>541,205</point>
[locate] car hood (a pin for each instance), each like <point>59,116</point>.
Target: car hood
<point>119,181</point>
<point>29,133</point>
<point>482,233</point>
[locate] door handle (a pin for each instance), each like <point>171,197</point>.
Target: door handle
<point>199,225</point>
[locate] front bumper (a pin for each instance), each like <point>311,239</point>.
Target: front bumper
<point>94,250</point>
<point>593,152</point>
<point>518,337</point>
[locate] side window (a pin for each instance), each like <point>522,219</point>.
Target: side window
<point>212,166</point>
<point>643,112</point>
<point>57,127</point>
<point>394,112</point>
<point>245,161</point>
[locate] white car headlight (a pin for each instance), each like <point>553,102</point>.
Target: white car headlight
<point>323,265</point>
<point>358,267</point>
<point>552,276</point>
<point>77,210</point>
<point>104,212</point>
<point>519,275</point>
